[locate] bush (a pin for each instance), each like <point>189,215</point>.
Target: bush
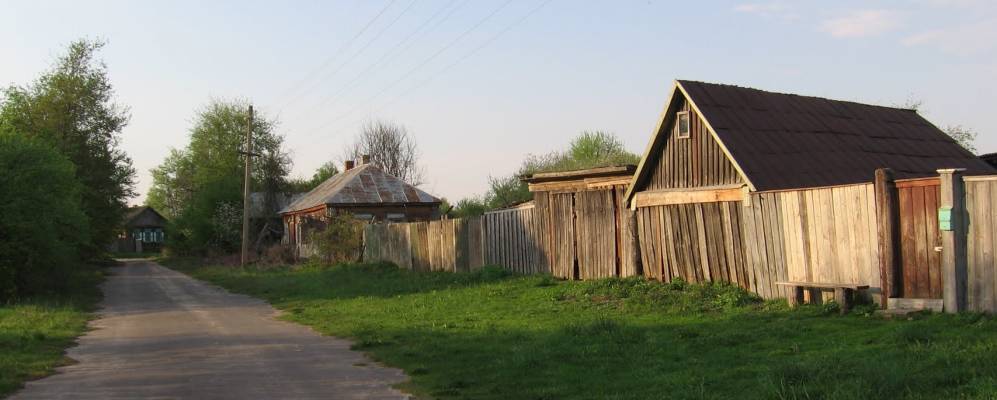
<point>278,254</point>
<point>337,240</point>
<point>42,225</point>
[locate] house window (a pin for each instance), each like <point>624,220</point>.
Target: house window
<point>363,217</point>
<point>682,125</point>
<point>395,217</point>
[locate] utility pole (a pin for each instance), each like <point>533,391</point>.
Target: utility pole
<point>246,189</point>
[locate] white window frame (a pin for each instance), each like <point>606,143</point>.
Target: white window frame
<point>678,125</point>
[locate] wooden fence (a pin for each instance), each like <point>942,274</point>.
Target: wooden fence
<point>813,235</point>
<point>832,234</point>
<point>511,238</point>
<point>981,279</point>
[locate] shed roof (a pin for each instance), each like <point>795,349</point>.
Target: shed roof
<point>363,185</point>
<point>787,141</point>
<point>606,171</point>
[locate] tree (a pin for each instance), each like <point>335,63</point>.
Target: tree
<point>42,225</point>
<point>391,148</point>
<point>72,108</point>
<point>323,173</point>
<point>469,207</point>
<point>200,186</point>
<point>964,136</point>
<point>338,239</point>
<point>590,149</point>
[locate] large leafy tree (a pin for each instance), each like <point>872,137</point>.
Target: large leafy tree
<point>200,186</point>
<point>42,226</point>
<point>323,173</point>
<point>72,108</point>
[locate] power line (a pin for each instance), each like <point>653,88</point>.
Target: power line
<point>469,54</point>
<point>366,71</point>
<point>362,49</point>
<point>420,65</point>
<point>332,58</point>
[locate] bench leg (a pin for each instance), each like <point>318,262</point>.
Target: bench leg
<point>843,297</point>
<point>796,297</point>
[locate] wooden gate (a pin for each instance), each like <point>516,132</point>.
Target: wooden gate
<point>920,239</point>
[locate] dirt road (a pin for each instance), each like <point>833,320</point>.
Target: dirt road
<point>162,334</point>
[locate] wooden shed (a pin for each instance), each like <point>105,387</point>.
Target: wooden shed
<point>755,187</point>
<point>591,230</point>
<point>367,193</point>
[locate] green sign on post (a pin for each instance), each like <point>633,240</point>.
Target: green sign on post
<point>945,218</point>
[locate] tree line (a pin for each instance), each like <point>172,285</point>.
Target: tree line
<point>199,187</point>
<point>590,149</point>
<point>65,181</point>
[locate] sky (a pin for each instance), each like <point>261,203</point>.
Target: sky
<point>482,84</point>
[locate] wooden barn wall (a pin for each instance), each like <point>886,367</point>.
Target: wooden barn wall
<point>597,218</point>
<point>691,162</point>
<point>696,242</point>
<point>814,235</point>
<point>981,288</point>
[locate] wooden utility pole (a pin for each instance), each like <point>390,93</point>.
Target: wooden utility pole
<point>888,222</point>
<point>953,203</point>
<point>246,188</point>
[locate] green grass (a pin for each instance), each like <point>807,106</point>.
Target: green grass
<point>492,335</point>
<point>35,332</point>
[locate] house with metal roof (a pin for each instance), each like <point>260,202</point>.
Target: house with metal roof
<point>720,138</point>
<point>364,191</point>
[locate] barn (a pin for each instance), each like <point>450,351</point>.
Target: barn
<point>757,188</point>
<point>364,191</point>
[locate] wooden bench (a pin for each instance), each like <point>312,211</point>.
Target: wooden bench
<point>843,292</point>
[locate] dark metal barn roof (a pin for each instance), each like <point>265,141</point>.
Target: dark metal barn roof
<point>784,141</point>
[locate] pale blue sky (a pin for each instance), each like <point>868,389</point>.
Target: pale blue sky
<point>480,87</point>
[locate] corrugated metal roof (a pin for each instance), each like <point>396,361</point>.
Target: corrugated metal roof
<point>785,141</point>
<point>366,184</point>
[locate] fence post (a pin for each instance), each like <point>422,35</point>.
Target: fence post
<point>953,240</point>
<point>888,222</point>
<point>633,241</point>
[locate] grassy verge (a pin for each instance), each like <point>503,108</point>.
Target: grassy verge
<point>35,332</point>
<point>491,335</point>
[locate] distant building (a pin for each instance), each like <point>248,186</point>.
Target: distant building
<point>367,193</point>
<point>143,230</point>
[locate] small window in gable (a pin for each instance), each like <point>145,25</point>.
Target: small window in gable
<point>682,125</point>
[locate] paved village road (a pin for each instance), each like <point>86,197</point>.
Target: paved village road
<point>164,335</point>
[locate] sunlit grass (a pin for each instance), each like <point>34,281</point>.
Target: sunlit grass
<point>489,334</point>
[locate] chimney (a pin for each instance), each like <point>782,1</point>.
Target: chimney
<point>349,165</point>
<point>365,159</point>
